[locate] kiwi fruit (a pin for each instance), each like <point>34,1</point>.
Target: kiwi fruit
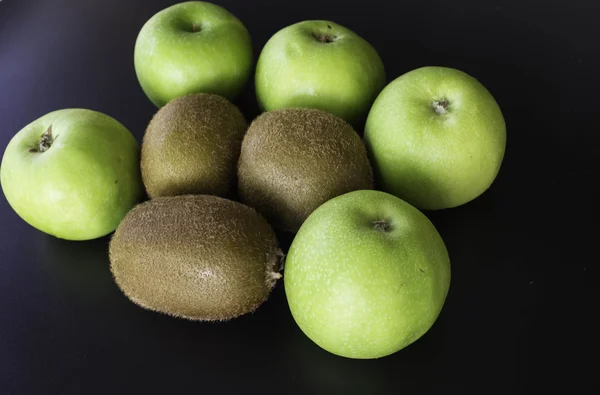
<point>191,146</point>
<point>293,160</point>
<point>198,257</point>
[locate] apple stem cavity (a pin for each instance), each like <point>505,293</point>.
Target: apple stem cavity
<point>324,38</point>
<point>440,106</point>
<point>382,225</point>
<point>46,141</point>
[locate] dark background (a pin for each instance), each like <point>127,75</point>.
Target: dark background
<point>518,318</point>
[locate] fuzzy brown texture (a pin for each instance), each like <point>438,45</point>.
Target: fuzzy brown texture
<point>294,160</point>
<point>196,257</point>
<point>191,146</point>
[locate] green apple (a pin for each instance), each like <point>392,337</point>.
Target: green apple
<point>193,47</point>
<point>72,173</point>
<point>319,64</point>
<point>366,275</point>
<point>436,138</point>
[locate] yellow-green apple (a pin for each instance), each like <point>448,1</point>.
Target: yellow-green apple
<point>436,138</point>
<point>366,275</point>
<point>193,47</point>
<point>73,173</point>
<point>319,64</point>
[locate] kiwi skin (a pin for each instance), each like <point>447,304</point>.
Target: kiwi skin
<point>191,146</point>
<point>293,160</point>
<point>197,257</point>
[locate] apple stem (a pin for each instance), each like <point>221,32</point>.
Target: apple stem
<point>194,28</point>
<point>46,141</point>
<point>440,106</point>
<point>382,225</point>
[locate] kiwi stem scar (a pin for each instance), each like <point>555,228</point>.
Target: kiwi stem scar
<point>273,275</point>
<point>46,142</point>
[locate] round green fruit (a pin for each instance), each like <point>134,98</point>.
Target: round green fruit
<point>72,173</point>
<point>436,138</point>
<point>319,64</point>
<point>193,47</point>
<point>366,275</point>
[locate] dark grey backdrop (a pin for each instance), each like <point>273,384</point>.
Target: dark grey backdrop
<point>518,318</point>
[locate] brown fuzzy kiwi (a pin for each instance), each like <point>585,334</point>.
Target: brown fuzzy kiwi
<point>294,160</point>
<point>191,146</point>
<point>197,257</point>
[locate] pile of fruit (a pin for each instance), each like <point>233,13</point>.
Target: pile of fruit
<point>366,274</point>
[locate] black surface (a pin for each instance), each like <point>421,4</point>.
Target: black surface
<point>519,315</point>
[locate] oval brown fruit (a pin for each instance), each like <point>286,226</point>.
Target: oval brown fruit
<point>196,257</point>
<point>191,146</point>
<point>294,160</point>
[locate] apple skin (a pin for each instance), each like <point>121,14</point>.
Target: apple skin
<point>342,77</point>
<point>82,186</point>
<point>359,290</point>
<point>171,60</point>
<point>435,161</point>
